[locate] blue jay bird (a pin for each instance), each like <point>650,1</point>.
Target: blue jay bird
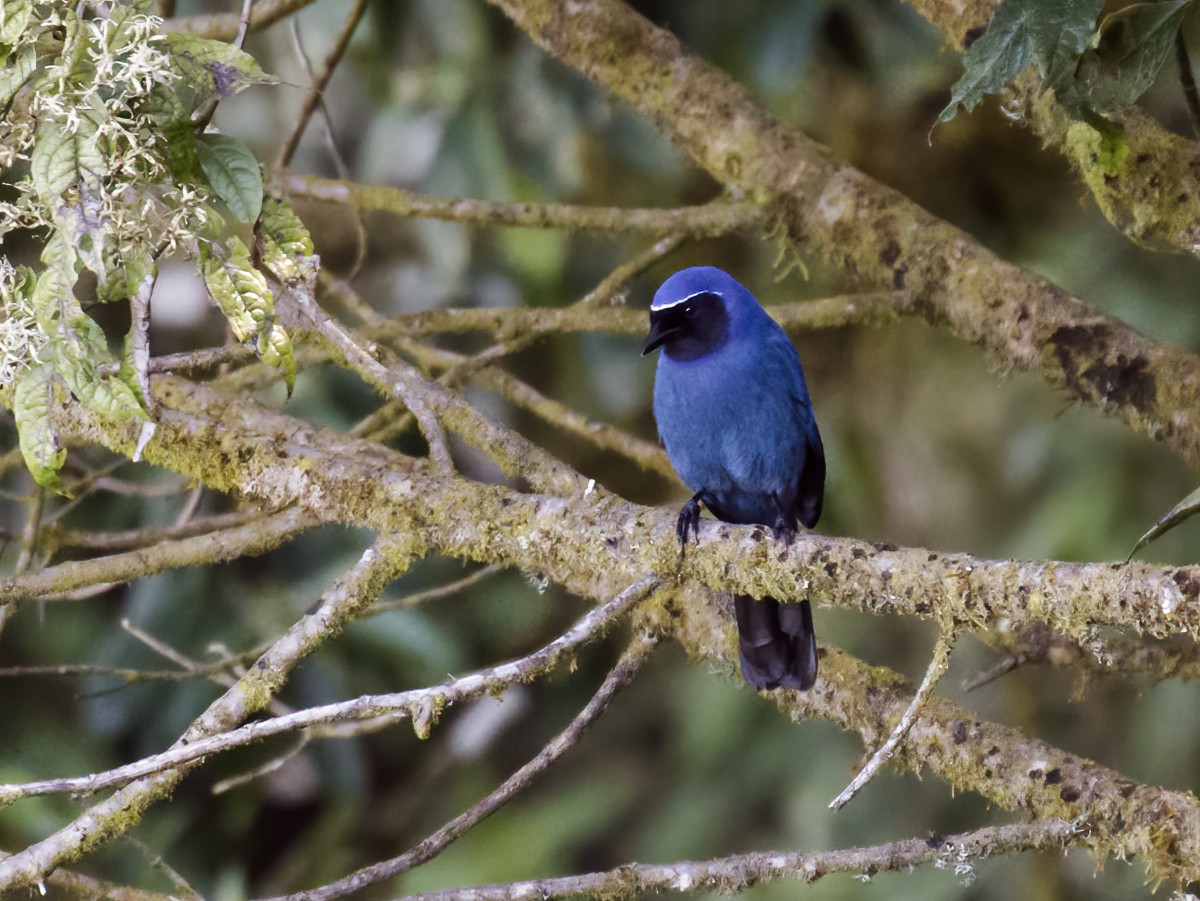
<point>733,411</point>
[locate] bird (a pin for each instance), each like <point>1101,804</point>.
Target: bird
<point>734,413</point>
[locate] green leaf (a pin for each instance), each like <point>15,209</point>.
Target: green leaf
<point>1052,34</point>
<point>221,69</point>
<point>33,399</point>
<point>16,73</point>
<point>244,296</point>
<point>1173,517</point>
<point>285,246</point>
<point>1061,31</point>
<point>14,18</point>
<point>180,151</point>
<point>76,343</point>
<point>124,273</point>
<point>1131,47</point>
<point>233,172</point>
<point>63,158</point>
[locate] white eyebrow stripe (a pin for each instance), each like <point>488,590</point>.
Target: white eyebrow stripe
<point>675,303</point>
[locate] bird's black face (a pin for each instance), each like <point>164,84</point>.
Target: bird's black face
<point>690,329</point>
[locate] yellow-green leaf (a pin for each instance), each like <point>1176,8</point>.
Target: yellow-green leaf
<point>244,296</point>
<point>76,343</point>
<point>14,18</point>
<point>62,158</point>
<point>285,245</point>
<point>16,71</point>
<point>215,66</point>
<point>32,402</point>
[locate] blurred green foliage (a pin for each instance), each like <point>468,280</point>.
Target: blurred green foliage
<point>927,445</point>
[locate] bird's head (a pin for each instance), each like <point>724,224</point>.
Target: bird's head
<point>692,312</point>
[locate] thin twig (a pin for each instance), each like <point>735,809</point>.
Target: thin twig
<point>935,671</point>
<point>114,672</point>
<point>161,648</point>
<point>29,533</point>
<point>254,536</point>
<point>225,26</point>
<point>956,853</point>
<point>243,24</point>
<point>271,766</point>
<point>183,889</point>
<point>28,546</point>
<point>432,594</point>
<point>630,662</point>
<point>316,90</point>
<point>317,95</point>
<point>607,293</point>
<point>403,380</point>
<point>1178,658</point>
<point>421,705</point>
<point>707,220</point>
<point>649,456</point>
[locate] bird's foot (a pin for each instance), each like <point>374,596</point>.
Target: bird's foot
<point>689,519</point>
<point>784,531</point>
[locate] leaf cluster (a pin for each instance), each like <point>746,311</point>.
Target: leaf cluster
<point>104,142</point>
<point>1098,58</point>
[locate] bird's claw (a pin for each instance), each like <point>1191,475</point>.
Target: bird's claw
<point>689,518</point>
<point>783,530</point>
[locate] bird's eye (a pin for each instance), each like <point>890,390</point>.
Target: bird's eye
<point>689,310</point>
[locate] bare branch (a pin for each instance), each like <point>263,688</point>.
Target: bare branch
<point>225,26</point>
<point>630,662</point>
<point>732,874</point>
<point>592,544</point>
<point>433,594</point>
<point>253,537</point>
<point>936,669</point>
<point>708,220</point>
<point>422,705</point>
<point>317,89</point>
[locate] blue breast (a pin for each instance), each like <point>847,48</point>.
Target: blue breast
<point>738,425</point>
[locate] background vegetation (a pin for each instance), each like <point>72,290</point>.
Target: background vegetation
<point>931,444</point>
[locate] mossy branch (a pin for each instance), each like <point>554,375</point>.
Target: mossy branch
<point>595,544</point>
<point>743,871</point>
<point>708,220</point>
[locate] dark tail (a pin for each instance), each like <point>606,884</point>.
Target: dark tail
<point>777,643</point>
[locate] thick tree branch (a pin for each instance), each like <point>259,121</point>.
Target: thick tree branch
<point>1008,768</point>
<point>593,543</point>
<point>596,544</point>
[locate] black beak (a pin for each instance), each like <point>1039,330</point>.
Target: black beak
<point>662,330</point>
